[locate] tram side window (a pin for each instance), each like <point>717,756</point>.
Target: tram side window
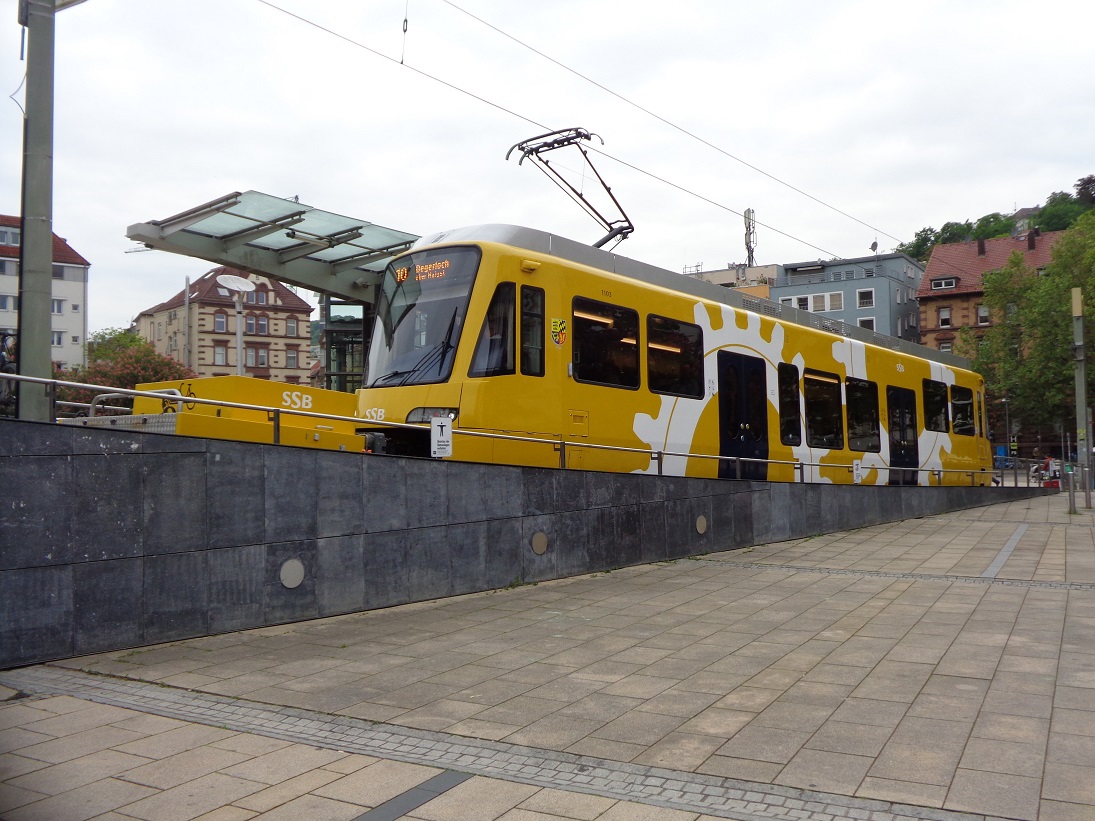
<point>935,405</point>
<point>962,411</point>
<point>790,428</point>
<point>494,351</point>
<point>532,330</point>
<point>606,349</point>
<point>824,410</point>
<point>674,356</point>
<point>864,432</point>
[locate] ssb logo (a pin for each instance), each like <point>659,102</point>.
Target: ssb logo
<point>296,399</point>
<point>558,331</point>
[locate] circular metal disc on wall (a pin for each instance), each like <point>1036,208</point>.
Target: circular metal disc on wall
<point>701,524</point>
<point>539,543</point>
<point>292,573</point>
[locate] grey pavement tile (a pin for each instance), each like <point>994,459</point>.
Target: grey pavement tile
<point>554,732</point>
<point>1022,729</point>
<point>768,744</point>
<point>477,799</point>
<point>1060,811</point>
<point>680,751</point>
<point>76,773</point>
<point>1064,748</point>
<point>174,741</point>
<point>1004,757</point>
<point>377,783</point>
<point>744,769</point>
<point>185,766</point>
<point>870,711</point>
<point>607,749</point>
<point>902,792</point>
<point>854,739</point>
<point>12,797</point>
<point>284,763</point>
<point>83,743</point>
<point>917,763</point>
<point>15,714</point>
<point>16,738</point>
<point>313,807</point>
<point>82,802</point>
<point>839,772</point>
<point>191,799</point>
<point>562,804</point>
<point>286,791</point>
<point>1010,796</point>
<point>638,728</point>
<point>1069,783</point>
<point>715,721</point>
<point>13,765</point>
<point>95,715</point>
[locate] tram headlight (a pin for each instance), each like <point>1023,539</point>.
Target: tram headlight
<point>426,414</point>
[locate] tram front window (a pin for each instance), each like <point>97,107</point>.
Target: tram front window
<point>419,314</point>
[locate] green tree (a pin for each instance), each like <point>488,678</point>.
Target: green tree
<point>1085,190</point>
<point>993,225</point>
<point>119,358</point>
<point>1060,211</point>
<point>1026,354</point>
<point>955,232</point>
<point>920,248</point>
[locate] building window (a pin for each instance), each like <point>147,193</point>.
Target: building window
<point>261,297</point>
<point>868,272</point>
<point>9,303</point>
<point>804,303</point>
<point>58,271</point>
<point>944,317</point>
<point>57,306</point>
<point>220,324</point>
<point>786,300</point>
<point>75,340</point>
<point>264,325</point>
<point>982,314</point>
<point>250,298</point>
<point>865,298</point>
<point>290,359</point>
<point>220,355</point>
<point>290,327</point>
<point>867,322</point>
<point>57,338</point>
<point>75,307</point>
<point>9,236</point>
<point>819,302</point>
<point>836,301</point>
<point>250,325</point>
<point>261,357</point>
<point>249,357</point>
<point>159,330</point>
<point>943,284</point>
<point>945,347</point>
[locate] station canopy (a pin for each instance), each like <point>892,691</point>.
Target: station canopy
<point>281,238</point>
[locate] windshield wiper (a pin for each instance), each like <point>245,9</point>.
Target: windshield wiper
<point>387,376</point>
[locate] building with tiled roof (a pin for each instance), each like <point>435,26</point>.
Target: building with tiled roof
<point>952,291</point>
<point>200,332</point>
<point>68,328</point>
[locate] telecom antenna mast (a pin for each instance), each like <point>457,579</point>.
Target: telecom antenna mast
<point>535,147</point>
<point>750,236</point>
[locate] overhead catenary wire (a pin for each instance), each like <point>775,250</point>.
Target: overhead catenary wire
<point>529,120</point>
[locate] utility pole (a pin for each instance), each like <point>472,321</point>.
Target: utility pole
<point>1083,423</point>
<point>36,248</point>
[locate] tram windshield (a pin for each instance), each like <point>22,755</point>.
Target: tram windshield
<point>419,314</point>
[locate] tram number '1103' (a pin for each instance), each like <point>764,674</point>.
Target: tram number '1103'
<point>296,399</point>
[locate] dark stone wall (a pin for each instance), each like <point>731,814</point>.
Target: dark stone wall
<point>112,539</point>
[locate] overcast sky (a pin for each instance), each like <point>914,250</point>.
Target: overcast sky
<point>898,114</point>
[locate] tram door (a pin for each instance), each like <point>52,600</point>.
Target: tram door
<point>743,415</point>
<point>904,443</point>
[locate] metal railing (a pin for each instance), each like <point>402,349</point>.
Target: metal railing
<point>274,415</point>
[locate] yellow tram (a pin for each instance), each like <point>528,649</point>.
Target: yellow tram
<point>514,331</point>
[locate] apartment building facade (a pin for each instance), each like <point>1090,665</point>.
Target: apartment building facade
<point>876,292</point>
<point>199,329</point>
<point>951,295</point>
<point>68,329</point>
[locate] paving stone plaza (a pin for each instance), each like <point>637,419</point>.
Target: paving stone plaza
<point>939,668</point>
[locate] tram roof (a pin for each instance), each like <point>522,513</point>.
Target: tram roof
<point>545,242</point>
<point>282,238</point>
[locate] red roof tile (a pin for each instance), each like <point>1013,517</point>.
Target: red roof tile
<point>63,253</point>
<point>961,261</point>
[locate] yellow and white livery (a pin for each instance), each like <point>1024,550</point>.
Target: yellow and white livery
<point>622,366</point>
